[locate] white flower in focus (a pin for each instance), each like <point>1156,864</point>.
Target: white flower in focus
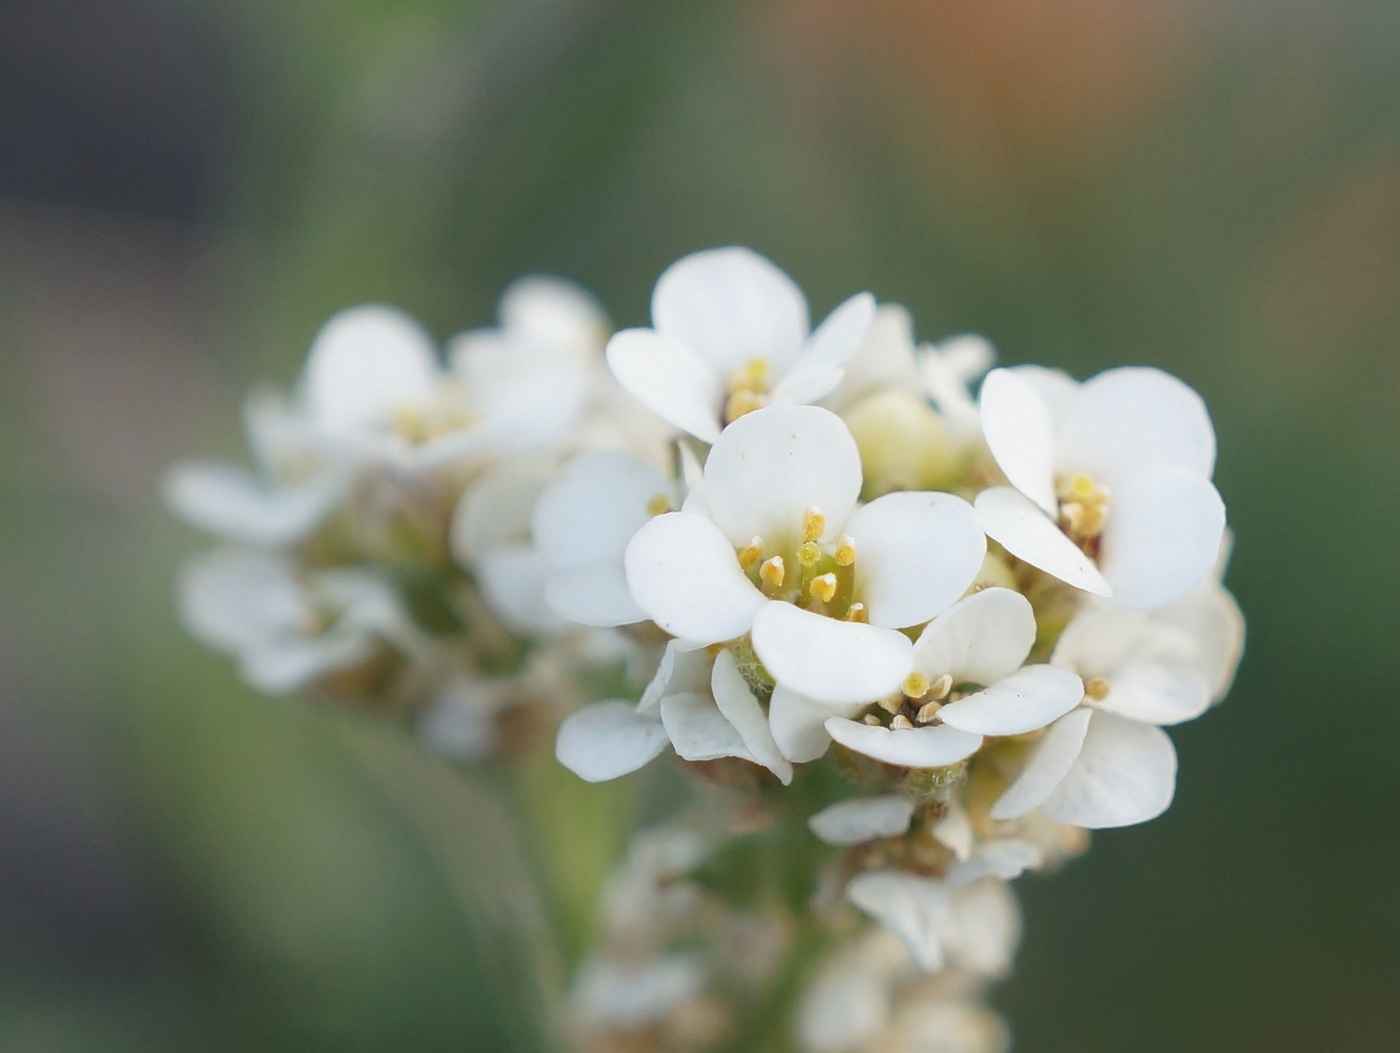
<point>730,334</point>
<point>782,552</point>
<point>1110,480</point>
<point>967,681</point>
<point>285,629</point>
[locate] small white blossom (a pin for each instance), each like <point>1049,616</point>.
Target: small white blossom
<point>730,333</point>
<point>1110,480</point>
<point>863,819</point>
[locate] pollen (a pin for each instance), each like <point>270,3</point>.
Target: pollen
<point>824,587</point>
<point>857,613</point>
<point>915,685</point>
<point>808,553</point>
<point>813,524</point>
<point>752,377</point>
<point>742,402</point>
<point>845,551</point>
<point>1097,689</point>
<point>1082,487</point>
<point>772,572</point>
<point>751,553</point>
<point>657,504</point>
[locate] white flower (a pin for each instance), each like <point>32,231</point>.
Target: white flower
<point>977,645</point>
<point>1110,480</point>
<point>285,629</point>
<point>781,550</point>
<point>1108,763</point>
<point>730,333</point>
<point>863,819</point>
<point>948,367</point>
<point>624,996</point>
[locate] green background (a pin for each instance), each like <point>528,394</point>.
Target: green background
<point>1212,187</point>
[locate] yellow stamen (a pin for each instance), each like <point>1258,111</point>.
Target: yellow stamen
<point>742,402</point>
<point>752,376</point>
<point>772,572</point>
<point>1082,487</point>
<point>657,504</point>
<point>824,587</point>
<point>813,525</point>
<point>857,613</point>
<point>845,551</point>
<point>915,685</point>
<point>750,554</point>
<point>1097,689</point>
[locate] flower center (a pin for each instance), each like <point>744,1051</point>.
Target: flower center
<point>426,419</point>
<point>806,574</point>
<point>1084,507</point>
<point>748,388</point>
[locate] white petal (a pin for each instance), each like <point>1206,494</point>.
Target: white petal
<point>799,724</point>
<point>818,368</point>
<point>983,933</point>
<point>592,507</point>
<point>914,908</point>
<point>829,660</point>
<point>916,553</point>
<point>885,358</point>
<point>606,740</point>
<point>1162,537</point>
<point>1020,432</point>
<point>1134,419</point>
<point>737,702</point>
<point>1028,699</point>
<point>683,572</point>
<point>1050,759</point>
<point>730,306</point>
<point>613,995</point>
<point>1125,774</point>
<point>699,731</point>
<point>512,579</point>
<point>929,747</point>
<point>1213,620</point>
<point>496,508</point>
<point>680,671</point>
<point>235,504</point>
<point>596,596</point>
<point>283,664</point>
<point>670,379</point>
<point>548,312</point>
<point>862,819</point>
<point>955,830</point>
<point>1157,693</point>
<point>232,599</point>
<point>979,639</point>
<point>366,363</point>
<point>1029,534</point>
<point>772,465</point>
<point>1007,859</point>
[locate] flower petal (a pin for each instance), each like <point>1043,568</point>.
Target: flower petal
<point>979,639</point>
<point>1006,858</point>
<point>914,908</point>
<point>915,554</point>
<point>818,368</point>
<point>983,933</point>
<point>699,731</point>
<point>681,671</point>
<point>829,660</point>
<point>1020,432</point>
<point>233,503</point>
<point>1025,531</point>
<point>669,379</point>
<point>1028,699</point>
<point>1157,693</point>
<point>730,306</point>
<point>1125,774</point>
<point>605,740</point>
<point>683,572</point>
<point>513,578</point>
<point>554,314</point>
<point>929,747</point>
<point>1133,419</point>
<point>772,465</point>
<point>365,363</point>
<point>799,724</point>
<point>496,509</point>
<point>1212,618</point>
<point>1050,759</point>
<point>739,706</point>
<point>862,819</point>
<point>1162,537</point>
<point>589,511</point>
<point>596,596</point>
<point>232,598</point>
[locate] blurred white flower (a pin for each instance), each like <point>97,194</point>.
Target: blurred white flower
<point>1110,480</point>
<point>730,334</point>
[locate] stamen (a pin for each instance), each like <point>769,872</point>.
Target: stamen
<point>772,572</point>
<point>750,554</point>
<point>1082,487</point>
<point>891,704</point>
<point>845,551</point>
<point>813,524</point>
<point>1097,689</point>
<point>871,719</point>
<point>927,712</point>
<point>658,504</point>
<point>824,587</point>
<point>915,685</point>
<point>857,613</point>
<point>940,687</point>
<point>901,723</point>
<point>742,402</point>
<point>808,553</point>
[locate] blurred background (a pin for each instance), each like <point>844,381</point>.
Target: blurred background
<point>187,188</point>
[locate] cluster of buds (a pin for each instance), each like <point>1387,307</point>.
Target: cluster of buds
<point>934,613</point>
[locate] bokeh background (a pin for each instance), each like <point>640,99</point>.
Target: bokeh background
<point>187,188</point>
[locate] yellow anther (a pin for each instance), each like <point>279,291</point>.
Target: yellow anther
<point>742,402</point>
<point>845,550</point>
<point>1082,487</point>
<point>813,525</point>
<point>927,712</point>
<point>1097,689</point>
<point>915,685</point>
<point>772,572</point>
<point>808,553</point>
<point>901,723</point>
<point>751,553</point>
<point>940,687</point>
<point>751,376</point>
<point>657,504</point>
<point>871,719</point>
<point>824,587</point>
<point>857,613</point>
